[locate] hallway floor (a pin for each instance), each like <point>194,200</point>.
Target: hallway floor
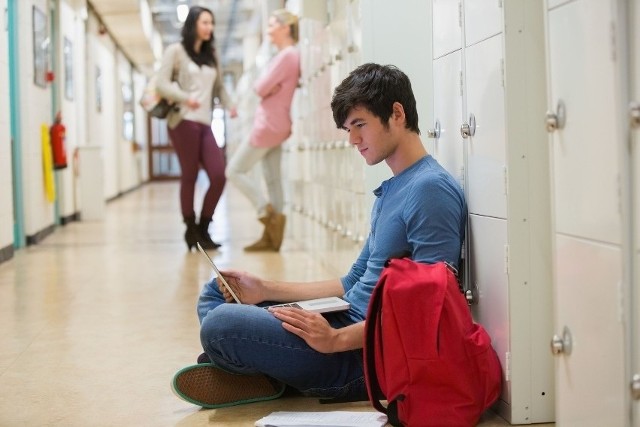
<point>98,316</point>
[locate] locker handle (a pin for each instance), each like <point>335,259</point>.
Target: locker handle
<point>635,387</point>
<point>555,121</point>
<point>469,129</point>
<point>435,132</point>
<point>634,115</point>
<point>562,344</point>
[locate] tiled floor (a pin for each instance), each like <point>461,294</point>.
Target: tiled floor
<point>95,320</point>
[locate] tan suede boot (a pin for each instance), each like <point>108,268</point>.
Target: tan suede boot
<point>275,229</point>
<point>262,244</point>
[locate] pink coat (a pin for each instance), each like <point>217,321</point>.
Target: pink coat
<point>272,121</point>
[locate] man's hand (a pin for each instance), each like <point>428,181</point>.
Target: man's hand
<point>250,289</point>
<point>311,327</point>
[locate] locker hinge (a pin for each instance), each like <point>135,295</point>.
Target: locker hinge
<point>619,185</point>
<point>502,70</point>
<point>461,93</point>
<point>506,259</point>
<point>507,366</point>
<point>460,14</point>
<point>506,180</point>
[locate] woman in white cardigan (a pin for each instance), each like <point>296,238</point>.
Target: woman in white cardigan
<point>190,77</point>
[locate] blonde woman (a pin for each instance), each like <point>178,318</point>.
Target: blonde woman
<point>190,76</point>
<point>271,128</point>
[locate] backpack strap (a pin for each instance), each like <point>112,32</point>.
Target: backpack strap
<point>373,386</point>
<point>436,295</point>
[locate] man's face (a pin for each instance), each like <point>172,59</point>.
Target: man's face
<point>373,140</point>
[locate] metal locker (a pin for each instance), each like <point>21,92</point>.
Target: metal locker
<point>586,145</point>
<point>486,147</point>
<point>490,283</point>
<point>589,366</point>
<point>482,19</point>
<point>508,247</point>
<point>447,100</point>
<point>582,101</point>
<point>634,125</point>
<point>447,29</point>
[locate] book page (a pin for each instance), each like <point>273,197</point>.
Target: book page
<point>325,419</point>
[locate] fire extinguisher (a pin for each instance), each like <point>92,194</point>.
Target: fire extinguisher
<point>58,143</point>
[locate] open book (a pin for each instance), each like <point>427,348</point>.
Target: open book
<point>323,419</point>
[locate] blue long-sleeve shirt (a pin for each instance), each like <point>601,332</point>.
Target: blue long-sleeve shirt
<point>421,213</point>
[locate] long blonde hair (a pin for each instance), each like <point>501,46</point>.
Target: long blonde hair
<point>285,17</point>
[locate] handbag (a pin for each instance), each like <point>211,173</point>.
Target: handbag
<point>153,103</point>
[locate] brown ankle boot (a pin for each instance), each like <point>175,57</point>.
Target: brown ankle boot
<point>262,244</point>
<point>275,229</point>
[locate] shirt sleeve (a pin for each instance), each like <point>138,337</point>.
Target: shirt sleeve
<point>357,269</point>
<point>279,70</point>
<point>166,87</point>
<point>220,92</point>
<point>433,217</point>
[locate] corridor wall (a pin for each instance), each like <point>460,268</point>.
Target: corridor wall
<point>72,100</point>
<point>6,181</point>
<point>35,111</point>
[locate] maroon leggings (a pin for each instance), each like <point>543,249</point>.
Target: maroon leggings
<point>195,145</point>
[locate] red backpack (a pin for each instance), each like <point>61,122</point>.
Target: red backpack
<point>424,353</point>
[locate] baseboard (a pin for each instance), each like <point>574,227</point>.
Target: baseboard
<point>64,220</point>
<point>125,192</point>
<point>34,239</point>
<point>6,253</point>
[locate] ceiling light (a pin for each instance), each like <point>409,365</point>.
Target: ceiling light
<point>182,10</point>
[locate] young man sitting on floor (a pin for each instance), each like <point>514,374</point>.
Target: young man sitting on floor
<point>252,354</point>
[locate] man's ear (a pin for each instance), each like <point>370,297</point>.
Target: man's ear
<point>397,113</point>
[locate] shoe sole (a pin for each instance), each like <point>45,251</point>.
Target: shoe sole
<point>209,386</point>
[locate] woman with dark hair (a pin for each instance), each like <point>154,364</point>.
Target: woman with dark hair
<point>190,77</point>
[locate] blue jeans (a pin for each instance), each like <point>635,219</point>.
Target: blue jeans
<point>247,339</point>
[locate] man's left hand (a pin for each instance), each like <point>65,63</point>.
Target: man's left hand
<point>311,327</point>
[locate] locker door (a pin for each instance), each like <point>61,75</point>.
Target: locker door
<point>634,111</point>
<point>585,151</point>
<point>447,28</point>
<point>482,19</point>
<point>588,258</point>
<point>447,99</point>
<point>486,156</point>
<point>487,240</point>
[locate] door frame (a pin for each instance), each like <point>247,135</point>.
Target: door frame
<point>19,239</point>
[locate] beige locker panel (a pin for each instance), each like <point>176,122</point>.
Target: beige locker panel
<point>447,99</point>
<point>555,3</point>
<point>590,380</point>
<point>486,155</point>
<point>634,32</point>
<point>488,240</point>
<point>585,149</point>
<point>447,30</point>
<point>482,19</point>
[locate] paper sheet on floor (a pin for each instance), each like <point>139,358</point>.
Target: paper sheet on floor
<point>324,419</point>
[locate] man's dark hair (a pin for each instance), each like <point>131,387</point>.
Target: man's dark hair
<point>375,87</point>
<point>207,54</point>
